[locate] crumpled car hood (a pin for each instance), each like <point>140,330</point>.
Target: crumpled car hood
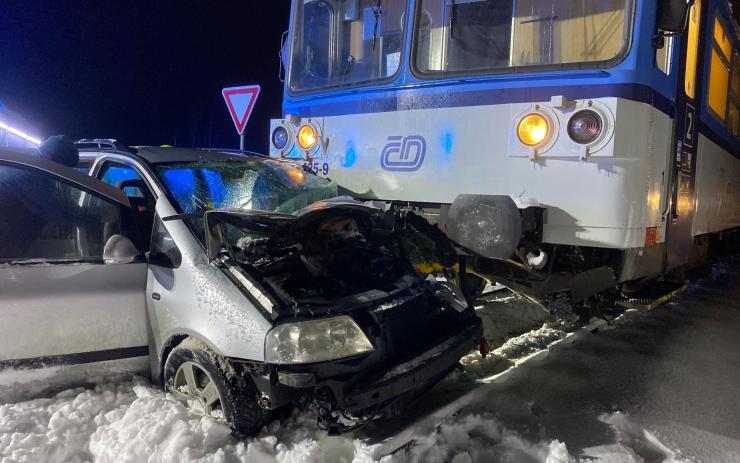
<point>264,220</point>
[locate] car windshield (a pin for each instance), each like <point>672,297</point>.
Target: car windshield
<point>257,183</point>
<point>345,42</point>
<point>464,36</point>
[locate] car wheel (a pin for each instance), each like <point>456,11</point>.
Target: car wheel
<point>207,384</point>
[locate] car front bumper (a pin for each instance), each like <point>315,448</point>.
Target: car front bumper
<point>387,392</point>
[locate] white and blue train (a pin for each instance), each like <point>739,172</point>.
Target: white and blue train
<point>572,146</point>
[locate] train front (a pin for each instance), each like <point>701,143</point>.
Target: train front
<point>557,109</point>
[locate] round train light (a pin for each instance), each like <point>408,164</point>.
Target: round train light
<point>585,126</point>
<point>533,129</point>
<point>307,137</point>
<point>280,137</point>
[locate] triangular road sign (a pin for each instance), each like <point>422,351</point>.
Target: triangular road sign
<point>240,101</point>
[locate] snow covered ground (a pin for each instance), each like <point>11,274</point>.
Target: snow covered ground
<point>653,387</point>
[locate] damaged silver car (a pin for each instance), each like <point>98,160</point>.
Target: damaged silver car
<point>265,287</point>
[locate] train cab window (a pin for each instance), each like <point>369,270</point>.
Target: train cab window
<point>478,35</point>
<point>719,70</point>
<point>344,42</point>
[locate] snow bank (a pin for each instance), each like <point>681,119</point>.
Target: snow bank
<point>634,444</point>
<point>58,429</point>
<point>515,329</point>
<point>480,437</point>
<point>134,422</point>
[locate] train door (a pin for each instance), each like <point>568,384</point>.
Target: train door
<point>681,214</point>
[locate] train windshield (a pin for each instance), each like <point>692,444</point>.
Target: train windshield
<point>345,42</point>
<point>473,36</point>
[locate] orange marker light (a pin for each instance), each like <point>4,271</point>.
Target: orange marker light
<point>533,129</point>
<point>307,137</point>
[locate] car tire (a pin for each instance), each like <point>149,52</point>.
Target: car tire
<point>236,391</point>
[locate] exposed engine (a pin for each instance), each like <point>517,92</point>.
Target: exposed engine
<point>324,258</point>
<point>341,254</point>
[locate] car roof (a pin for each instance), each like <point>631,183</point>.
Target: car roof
<point>162,155</point>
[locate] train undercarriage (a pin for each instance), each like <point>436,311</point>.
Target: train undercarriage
<point>502,244</point>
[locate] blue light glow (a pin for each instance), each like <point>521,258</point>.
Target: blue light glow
<point>447,141</point>
<point>181,183</point>
<point>295,153</point>
<point>114,175</point>
<point>216,186</point>
<point>350,157</point>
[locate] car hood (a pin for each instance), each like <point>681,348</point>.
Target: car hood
<point>274,222</point>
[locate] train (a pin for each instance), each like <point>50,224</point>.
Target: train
<point>571,149</point>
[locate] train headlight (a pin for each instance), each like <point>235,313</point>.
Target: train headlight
<point>533,129</point>
<point>280,137</point>
<point>307,137</point>
<point>585,126</point>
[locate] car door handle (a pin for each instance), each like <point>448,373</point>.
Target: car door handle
<point>156,296</point>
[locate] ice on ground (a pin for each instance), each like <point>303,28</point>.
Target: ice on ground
<point>515,329</point>
<point>480,437</point>
<point>634,444</point>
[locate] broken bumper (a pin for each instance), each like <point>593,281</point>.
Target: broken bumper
<point>406,380</point>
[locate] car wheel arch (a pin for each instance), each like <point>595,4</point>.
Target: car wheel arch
<point>172,342</point>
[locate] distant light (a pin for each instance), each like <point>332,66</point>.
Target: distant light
<point>19,133</point>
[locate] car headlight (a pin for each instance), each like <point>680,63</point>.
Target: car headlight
<point>314,341</point>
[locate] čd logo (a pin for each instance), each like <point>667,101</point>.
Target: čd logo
<point>403,154</point>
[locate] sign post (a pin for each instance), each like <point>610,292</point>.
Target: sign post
<point>240,103</point>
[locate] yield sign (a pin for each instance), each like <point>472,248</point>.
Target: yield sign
<point>240,101</point>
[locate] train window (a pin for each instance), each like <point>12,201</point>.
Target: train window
<point>345,42</point>
<point>477,35</point>
<point>719,70</point>
<point>692,51</point>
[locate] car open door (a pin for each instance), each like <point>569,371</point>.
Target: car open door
<point>65,314</point>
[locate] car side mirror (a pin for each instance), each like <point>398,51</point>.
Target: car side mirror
<point>673,16</point>
<point>120,250</point>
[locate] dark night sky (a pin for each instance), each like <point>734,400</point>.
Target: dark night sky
<point>144,72</point>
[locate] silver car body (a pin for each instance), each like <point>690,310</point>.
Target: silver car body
<point>196,299</point>
<point>63,321</point>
